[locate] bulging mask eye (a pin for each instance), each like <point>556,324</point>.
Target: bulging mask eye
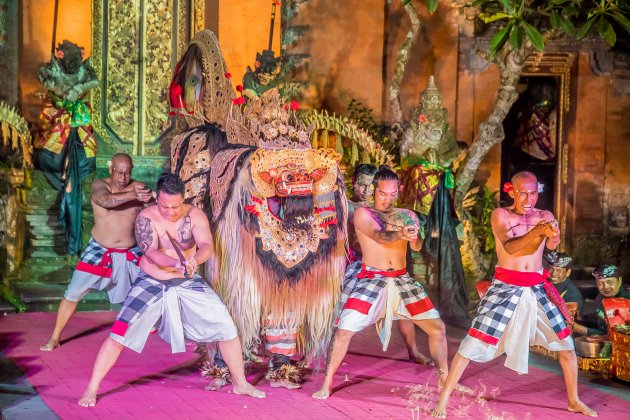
<point>193,80</point>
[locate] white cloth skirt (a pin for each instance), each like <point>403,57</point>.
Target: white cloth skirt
<point>529,326</point>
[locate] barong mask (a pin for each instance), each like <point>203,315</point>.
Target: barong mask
<point>279,215</point>
<point>292,202</point>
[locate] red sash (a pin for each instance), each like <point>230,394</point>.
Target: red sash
<point>369,274</point>
<point>529,279</point>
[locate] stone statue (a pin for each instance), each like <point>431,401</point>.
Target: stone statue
<point>429,134</point>
<point>428,149</point>
<point>66,146</point>
<point>264,77</point>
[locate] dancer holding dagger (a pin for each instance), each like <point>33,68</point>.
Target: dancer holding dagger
<point>174,238</point>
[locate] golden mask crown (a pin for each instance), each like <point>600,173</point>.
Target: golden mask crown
<point>269,123</point>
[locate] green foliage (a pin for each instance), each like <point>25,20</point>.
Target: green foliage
<point>480,203</point>
<point>520,20</point>
<point>432,5</point>
<point>10,296</point>
<point>363,117</point>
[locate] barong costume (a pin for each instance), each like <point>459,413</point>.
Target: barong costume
<point>519,310</point>
<point>100,268</point>
<point>277,209</point>
<point>189,310</point>
<point>371,296</point>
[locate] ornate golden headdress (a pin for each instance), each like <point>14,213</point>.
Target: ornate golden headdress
<point>268,123</point>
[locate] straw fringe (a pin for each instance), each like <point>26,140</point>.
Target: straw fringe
<point>255,296</point>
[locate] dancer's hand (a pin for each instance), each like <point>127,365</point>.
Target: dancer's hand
<point>410,232</point>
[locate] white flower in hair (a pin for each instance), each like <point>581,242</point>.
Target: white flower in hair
<point>109,163</point>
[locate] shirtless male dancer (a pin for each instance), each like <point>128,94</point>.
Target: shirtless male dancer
<point>383,290</point>
<point>174,238</point>
<point>109,262</point>
<point>520,309</point>
<point>362,196</point>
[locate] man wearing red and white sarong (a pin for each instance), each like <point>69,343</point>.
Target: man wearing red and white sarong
<point>380,290</point>
<point>109,262</point>
<point>521,308</point>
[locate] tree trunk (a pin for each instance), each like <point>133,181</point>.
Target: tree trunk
<point>510,63</point>
<point>401,63</point>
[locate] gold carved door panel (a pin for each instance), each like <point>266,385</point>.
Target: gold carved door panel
<point>135,47</point>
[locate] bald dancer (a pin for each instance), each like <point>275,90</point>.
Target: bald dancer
<point>521,308</point>
<point>109,262</point>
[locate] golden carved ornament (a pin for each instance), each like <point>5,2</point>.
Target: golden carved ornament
<point>217,88</point>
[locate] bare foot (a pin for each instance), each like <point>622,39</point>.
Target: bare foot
<point>284,383</point>
<point>579,407</point>
<point>421,359</point>
<point>216,384</point>
<point>458,387</point>
<point>439,411</point>
<point>50,345</point>
<point>323,393</point>
<point>88,399</point>
<point>461,388</point>
<point>248,389</point>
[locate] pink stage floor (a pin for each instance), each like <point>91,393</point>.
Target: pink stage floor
<point>370,383</point>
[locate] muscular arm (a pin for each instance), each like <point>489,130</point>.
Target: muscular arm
<point>525,244</point>
<point>147,240</point>
<point>365,223</point>
<point>202,236</point>
<point>553,241</point>
<point>102,197</point>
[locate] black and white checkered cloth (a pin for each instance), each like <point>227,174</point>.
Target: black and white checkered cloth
<point>145,290</point>
<point>361,293</point>
<point>498,305</point>
<point>94,252</point>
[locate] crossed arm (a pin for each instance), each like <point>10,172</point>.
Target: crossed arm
<point>148,241</point>
<point>366,223</point>
<point>545,230</point>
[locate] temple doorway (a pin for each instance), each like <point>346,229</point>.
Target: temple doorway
<point>532,137</point>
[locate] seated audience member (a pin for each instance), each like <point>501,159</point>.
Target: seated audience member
<point>608,280</point>
<point>559,266</point>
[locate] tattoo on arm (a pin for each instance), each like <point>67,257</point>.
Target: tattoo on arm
<point>114,202</point>
<point>144,233</point>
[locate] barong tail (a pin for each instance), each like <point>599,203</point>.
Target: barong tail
<point>189,310</point>
<point>100,268</point>
<point>499,303</point>
<point>367,290</point>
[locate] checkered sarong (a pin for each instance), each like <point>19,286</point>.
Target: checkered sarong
<point>145,292</point>
<point>363,284</point>
<point>186,308</point>
<point>100,268</point>
<point>96,259</point>
<point>499,303</point>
